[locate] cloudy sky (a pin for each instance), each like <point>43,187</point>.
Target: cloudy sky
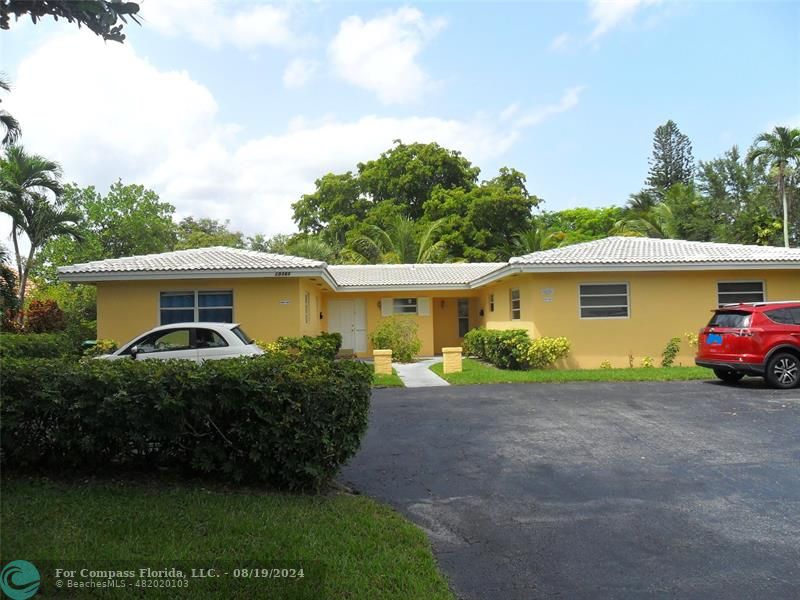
<point>232,109</point>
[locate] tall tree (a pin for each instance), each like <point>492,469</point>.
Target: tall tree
<point>24,177</point>
<point>99,16</point>
<point>581,224</point>
<point>407,174</point>
<point>205,232</point>
<point>778,150</point>
<point>40,221</point>
<point>128,220</point>
<point>672,161</point>
<point>9,123</point>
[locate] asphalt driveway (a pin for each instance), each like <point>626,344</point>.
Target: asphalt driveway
<point>625,490</point>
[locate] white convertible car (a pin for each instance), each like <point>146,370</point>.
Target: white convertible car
<point>189,341</point>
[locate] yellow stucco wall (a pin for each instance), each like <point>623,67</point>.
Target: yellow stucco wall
<point>266,308</point>
<point>438,329</point>
<point>662,305</point>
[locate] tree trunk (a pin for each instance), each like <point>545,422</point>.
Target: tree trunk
<point>18,257</point>
<point>23,282</point>
<point>782,188</point>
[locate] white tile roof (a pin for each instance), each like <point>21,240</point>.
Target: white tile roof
<point>410,275</point>
<point>217,258</point>
<point>612,253</point>
<point>644,251</point>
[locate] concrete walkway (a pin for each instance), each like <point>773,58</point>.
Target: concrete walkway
<point>418,374</point>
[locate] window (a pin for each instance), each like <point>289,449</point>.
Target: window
<point>730,318</point>
<point>405,306</point>
<point>784,316</point>
<point>604,300</point>
<point>165,341</point>
<point>734,292</point>
<point>307,307</point>
<point>207,338</point>
<point>463,317</point>
<point>205,306</point>
<point>491,302</point>
<point>516,305</point>
<point>239,332</point>
<point>177,307</point>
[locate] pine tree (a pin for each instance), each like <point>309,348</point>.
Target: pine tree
<point>672,161</point>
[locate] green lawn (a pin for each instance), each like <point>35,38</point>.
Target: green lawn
<point>392,380</point>
<point>350,546</point>
<point>478,372</point>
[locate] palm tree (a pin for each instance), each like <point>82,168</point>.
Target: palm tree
<point>311,247</point>
<point>536,238</point>
<point>24,181</point>
<point>777,150</point>
<point>10,124</point>
<point>400,242</point>
<point>656,222</point>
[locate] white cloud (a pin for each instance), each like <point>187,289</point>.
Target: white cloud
<point>380,55</point>
<point>205,22</point>
<point>560,42</point>
<point>121,117</point>
<point>298,72</point>
<point>608,14</point>
<point>569,100</point>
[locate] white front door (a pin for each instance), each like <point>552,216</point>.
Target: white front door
<point>349,318</point>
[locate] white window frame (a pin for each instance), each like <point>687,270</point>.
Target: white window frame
<point>196,308</point>
<point>405,303</point>
<point>763,290</point>
<point>627,299</point>
<point>518,310</point>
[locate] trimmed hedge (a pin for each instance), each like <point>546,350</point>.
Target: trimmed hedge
<point>507,349</point>
<point>514,349</point>
<point>35,345</point>
<point>325,345</point>
<point>285,420</point>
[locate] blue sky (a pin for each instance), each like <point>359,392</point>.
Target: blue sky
<point>232,109</point>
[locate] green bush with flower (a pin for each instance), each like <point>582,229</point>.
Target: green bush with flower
<point>545,351</point>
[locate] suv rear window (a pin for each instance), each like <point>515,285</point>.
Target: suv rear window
<point>730,318</point>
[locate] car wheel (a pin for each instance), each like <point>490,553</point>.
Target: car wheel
<point>783,370</point>
<point>728,376</point>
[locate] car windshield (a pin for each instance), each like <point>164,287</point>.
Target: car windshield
<point>239,332</point>
<point>730,318</point>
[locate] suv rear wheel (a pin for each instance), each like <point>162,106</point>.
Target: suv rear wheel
<point>783,370</point>
<point>728,376</point>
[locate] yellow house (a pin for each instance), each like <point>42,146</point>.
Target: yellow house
<point>617,299</point>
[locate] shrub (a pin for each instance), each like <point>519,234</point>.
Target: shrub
<point>544,351</point>
<point>35,345</point>
<point>647,362</point>
<point>507,349</point>
<point>671,350</point>
<point>398,334</point>
<point>44,316</point>
<point>277,419</point>
<point>325,345</point>
<point>101,347</point>
<point>606,364</point>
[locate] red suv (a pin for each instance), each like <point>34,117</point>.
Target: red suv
<point>760,338</point>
